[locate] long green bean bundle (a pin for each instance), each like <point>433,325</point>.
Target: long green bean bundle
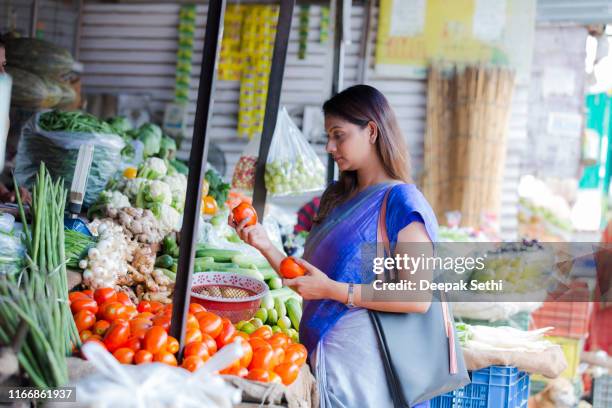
<point>75,121</point>
<point>38,294</point>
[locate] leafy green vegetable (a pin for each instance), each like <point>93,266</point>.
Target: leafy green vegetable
<point>179,166</point>
<point>150,135</point>
<point>76,245</point>
<point>120,124</point>
<point>168,148</point>
<point>75,121</point>
<point>218,188</point>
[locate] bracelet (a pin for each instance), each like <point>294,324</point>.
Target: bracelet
<point>350,301</point>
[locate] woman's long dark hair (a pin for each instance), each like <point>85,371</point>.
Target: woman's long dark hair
<point>360,105</point>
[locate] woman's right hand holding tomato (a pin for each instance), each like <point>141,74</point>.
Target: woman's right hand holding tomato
<point>243,219</point>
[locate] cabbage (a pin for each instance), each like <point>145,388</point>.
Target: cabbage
<point>150,135</point>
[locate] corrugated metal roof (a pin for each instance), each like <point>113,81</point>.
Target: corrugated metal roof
<point>572,11</point>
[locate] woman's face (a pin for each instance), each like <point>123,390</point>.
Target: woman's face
<point>350,145</point>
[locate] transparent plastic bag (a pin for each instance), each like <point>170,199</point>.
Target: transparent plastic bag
<point>59,152</point>
<point>292,166</point>
<point>156,384</point>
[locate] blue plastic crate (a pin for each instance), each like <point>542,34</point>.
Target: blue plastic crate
<point>491,387</point>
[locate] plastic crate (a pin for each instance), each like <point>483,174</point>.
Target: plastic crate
<point>568,312</point>
<point>571,350</point>
<point>602,392</point>
<point>495,386</point>
<point>518,321</point>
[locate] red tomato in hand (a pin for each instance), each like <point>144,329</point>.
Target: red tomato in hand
<point>117,334</point>
<point>84,304</point>
<point>210,323</point>
<point>84,319</point>
<point>290,269</point>
<point>155,339</point>
<point>104,295</point>
<point>243,211</point>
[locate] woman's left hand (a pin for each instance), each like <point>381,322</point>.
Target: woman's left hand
<point>313,285</point>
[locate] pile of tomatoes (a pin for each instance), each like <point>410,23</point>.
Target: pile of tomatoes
<point>139,334</point>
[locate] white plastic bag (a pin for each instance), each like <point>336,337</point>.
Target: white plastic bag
<point>156,384</point>
<point>292,166</point>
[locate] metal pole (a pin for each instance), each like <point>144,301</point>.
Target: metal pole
<point>275,84</point>
<point>338,67</point>
<point>34,18</point>
<point>197,169</point>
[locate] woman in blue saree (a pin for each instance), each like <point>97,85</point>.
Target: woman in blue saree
<point>370,151</point>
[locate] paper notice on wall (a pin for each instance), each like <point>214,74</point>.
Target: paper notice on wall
<point>407,18</point>
<point>489,19</point>
<point>558,81</point>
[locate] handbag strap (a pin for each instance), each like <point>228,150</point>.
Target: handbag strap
<point>383,236</point>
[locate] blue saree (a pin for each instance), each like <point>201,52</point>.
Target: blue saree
<point>341,341</point>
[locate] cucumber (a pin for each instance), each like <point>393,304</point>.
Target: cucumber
<point>294,335</point>
<point>268,273</point>
<point>253,273</point>
<point>284,323</point>
<point>256,322</point>
<point>275,283</point>
<point>248,328</point>
<point>285,293</point>
<point>240,324</point>
<point>279,305</point>
<point>294,312</point>
<point>267,302</point>
<point>272,317</point>
<point>220,255</point>
<point>249,261</point>
<point>276,329</point>
<point>262,314</point>
<point>164,261</point>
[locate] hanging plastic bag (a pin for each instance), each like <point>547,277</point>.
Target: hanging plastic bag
<point>156,384</point>
<point>292,166</point>
<point>244,172</point>
<point>59,152</point>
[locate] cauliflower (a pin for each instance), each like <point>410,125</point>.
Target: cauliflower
<point>178,186</point>
<point>133,187</point>
<point>158,192</point>
<point>115,199</point>
<point>169,217</point>
<point>153,168</point>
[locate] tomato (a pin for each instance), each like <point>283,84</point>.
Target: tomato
<point>209,205</point>
<point>100,327</point>
<point>132,343</point>
<point>210,323</point>
<point>198,349</point>
<point>241,372</point>
<point>156,306</point>
<point>84,304</point>
<point>247,351</point>
<point>243,211</point>
<point>131,312</point>
<point>143,356</point>
<point>290,269</point>
<point>279,356</point>
<point>124,299</point>
<point>146,315</point>
<point>112,311</point>
<point>298,349</point>
<point>88,293</point>
<point>85,334</point>
<point>275,378</point>
<point>288,372</point>
<point>227,334</point>
<point>192,322</point>
<point>104,295</point>
<point>263,357</point>
<point>242,335</point>
<point>210,343</point>
<point>231,368</point>
<point>279,340</point>
<point>257,342</point>
<point>195,308</point>
<point>72,296</point>
<point>192,363</point>
<point>192,335</point>
<point>124,355</point>
<point>258,374</point>
<point>167,310</point>
<point>144,306</point>
<point>155,339</point>
<point>84,319</point>
<point>117,334</point>
<point>139,327</point>
<point>162,321</point>
<point>264,332</point>
<point>166,358</point>
<point>172,345</point>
